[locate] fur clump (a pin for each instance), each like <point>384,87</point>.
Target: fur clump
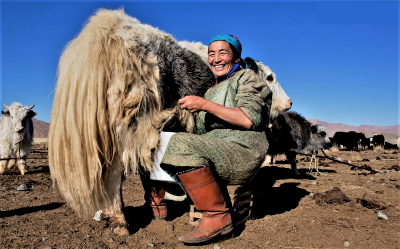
<point>118,80</point>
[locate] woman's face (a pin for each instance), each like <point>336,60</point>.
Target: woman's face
<point>220,58</point>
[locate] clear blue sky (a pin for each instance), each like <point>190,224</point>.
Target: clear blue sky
<point>337,60</point>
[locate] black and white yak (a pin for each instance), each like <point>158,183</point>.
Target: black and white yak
<point>290,133</point>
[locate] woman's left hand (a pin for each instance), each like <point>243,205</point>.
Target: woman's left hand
<point>193,103</point>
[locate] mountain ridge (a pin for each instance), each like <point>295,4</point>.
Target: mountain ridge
<point>391,133</point>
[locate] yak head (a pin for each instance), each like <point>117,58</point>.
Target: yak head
<point>319,134</point>
<point>281,102</point>
<point>19,116</point>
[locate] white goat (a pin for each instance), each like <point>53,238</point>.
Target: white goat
<point>16,135</point>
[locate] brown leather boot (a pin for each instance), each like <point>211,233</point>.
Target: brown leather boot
<point>154,195</point>
<point>206,195</point>
<point>157,204</point>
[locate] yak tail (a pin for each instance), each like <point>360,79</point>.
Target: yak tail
<point>105,113</point>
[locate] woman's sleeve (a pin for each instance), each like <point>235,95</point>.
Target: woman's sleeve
<point>253,98</point>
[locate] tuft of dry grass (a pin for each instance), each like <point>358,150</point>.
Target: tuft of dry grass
<point>355,156</point>
<point>379,149</point>
<point>334,148</point>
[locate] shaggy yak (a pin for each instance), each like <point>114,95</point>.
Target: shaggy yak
<point>118,80</point>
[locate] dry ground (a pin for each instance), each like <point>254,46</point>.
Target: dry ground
<point>336,209</point>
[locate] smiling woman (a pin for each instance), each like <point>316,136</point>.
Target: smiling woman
<point>229,145</point>
<point>224,54</point>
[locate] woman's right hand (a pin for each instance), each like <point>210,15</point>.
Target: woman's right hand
<point>233,115</point>
<point>193,103</point>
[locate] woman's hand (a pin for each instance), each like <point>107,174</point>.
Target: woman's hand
<point>231,115</point>
<point>193,103</point>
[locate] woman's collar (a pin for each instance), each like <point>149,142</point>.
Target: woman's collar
<point>235,68</point>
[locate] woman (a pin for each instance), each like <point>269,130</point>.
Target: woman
<point>229,145</point>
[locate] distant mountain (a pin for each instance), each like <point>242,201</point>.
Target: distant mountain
<point>41,128</point>
<point>391,133</point>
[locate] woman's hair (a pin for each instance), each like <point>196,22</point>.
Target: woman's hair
<point>236,54</point>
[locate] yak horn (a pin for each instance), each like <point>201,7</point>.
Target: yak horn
<point>29,108</point>
<point>6,106</point>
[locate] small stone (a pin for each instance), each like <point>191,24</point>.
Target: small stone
<point>47,247</point>
<point>97,216</point>
<point>346,243</point>
<point>216,246</point>
<point>151,244</point>
<point>45,238</point>
<point>22,187</point>
<point>382,216</point>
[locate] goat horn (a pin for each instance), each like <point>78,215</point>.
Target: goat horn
<point>6,106</point>
<point>29,108</point>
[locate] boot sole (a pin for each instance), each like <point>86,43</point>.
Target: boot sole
<point>223,231</point>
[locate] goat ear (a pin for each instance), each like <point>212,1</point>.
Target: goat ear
<point>31,114</point>
<point>251,64</point>
<point>5,112</point>
<point>314,129</point>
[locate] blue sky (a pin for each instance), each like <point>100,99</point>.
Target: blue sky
<point>337,60</point>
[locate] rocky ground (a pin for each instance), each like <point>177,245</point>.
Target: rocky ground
<point>352,203</point>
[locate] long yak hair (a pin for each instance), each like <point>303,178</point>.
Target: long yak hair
<point>118,81</point>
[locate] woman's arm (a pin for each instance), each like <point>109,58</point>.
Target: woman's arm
<point>231,115</point>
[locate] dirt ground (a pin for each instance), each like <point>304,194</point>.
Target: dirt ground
<point>337,208</point>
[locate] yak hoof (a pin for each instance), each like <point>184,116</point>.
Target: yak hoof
<point>120,231</point>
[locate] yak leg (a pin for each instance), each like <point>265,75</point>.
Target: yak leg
<point>21,164</point>
<point>114,211</point>
<point>291,156</point>
<point>3,165</point>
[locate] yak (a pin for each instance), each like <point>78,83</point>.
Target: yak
<point>290,133</point>
<point>117,82</point>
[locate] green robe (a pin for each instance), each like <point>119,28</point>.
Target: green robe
<point>235,153</point>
